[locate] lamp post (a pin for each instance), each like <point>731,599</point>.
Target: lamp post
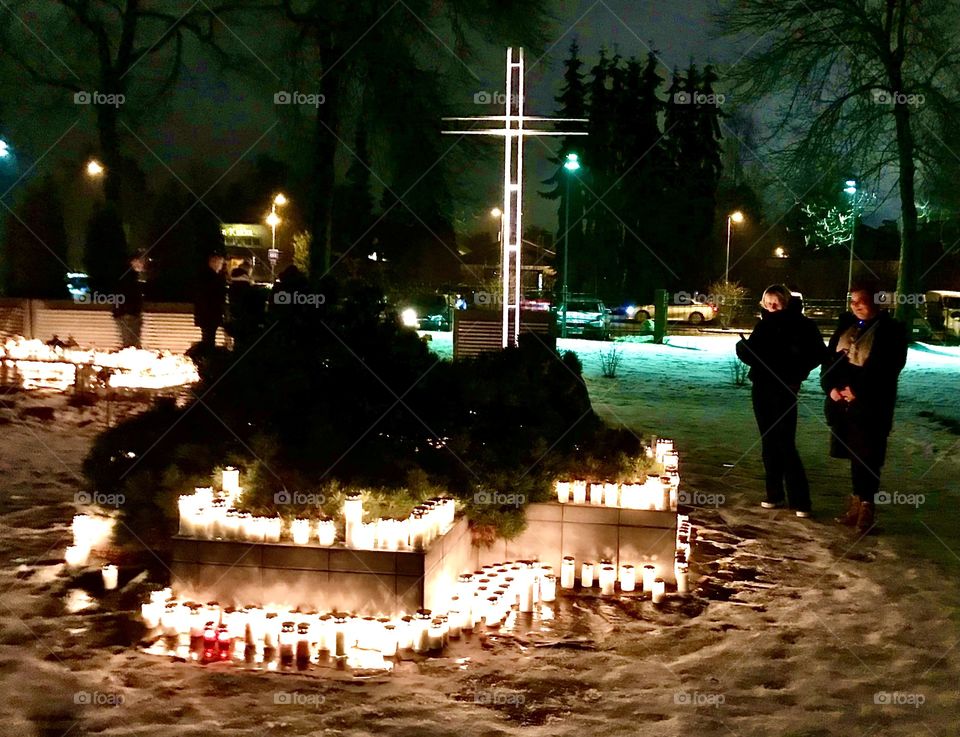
<point>734,217</point>
<point>851,189</point>
<point>273,220</point>
<point>572,165</point>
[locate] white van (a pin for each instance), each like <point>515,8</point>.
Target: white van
<point>943,310</point>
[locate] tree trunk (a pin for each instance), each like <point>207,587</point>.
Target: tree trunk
<point>908,282</point>
<point>324,170</point>
<point>110,151</point>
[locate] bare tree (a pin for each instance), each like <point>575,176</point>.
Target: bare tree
<point>865,88</point>
<point>116,56</point>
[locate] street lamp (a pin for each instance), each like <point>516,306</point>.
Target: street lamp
<point>571,165</point>
<point>851,189</point>
<point>273,220</point>
<point>94,168</point>
<point>280,200</point>
<point>734,217</point>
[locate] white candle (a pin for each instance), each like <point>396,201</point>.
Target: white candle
<point>352,516</point>
<point>608,579</point>
<point>300,531</point>
<point>527,586</point>
<point>388,646</point>
<point>671,460</point>
<point>548,588</point>
<point>596,494</point>
<point>628,577</point>
<point>682,572</point>
<point>579,492</point>
<point>568,572</point>
<point>659,591</point>
<point>563,491</point>
<point>150,613</point>
<point>76,556</point>
<point>230,482</point>
<point>326,532</point>
<point>586,575</point>
<point>110,575</point>
<point>649,574</point>
<point>611,495</point>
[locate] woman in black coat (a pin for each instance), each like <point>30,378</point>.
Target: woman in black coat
<point>783,349</point>
<point>865,357</point>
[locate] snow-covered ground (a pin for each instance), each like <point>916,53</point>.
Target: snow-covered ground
<point>796,627</point>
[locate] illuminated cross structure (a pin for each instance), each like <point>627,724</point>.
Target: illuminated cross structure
<point>513,131</point>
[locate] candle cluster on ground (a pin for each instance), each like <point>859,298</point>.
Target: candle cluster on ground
<point>211,515</point>
<point>38,365</point>
<point>657,492</point>
<point>89,532</point>
<point>272,636</point>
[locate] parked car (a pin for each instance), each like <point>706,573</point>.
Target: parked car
<point>694,312</point>
<point>943,310</point>
<point>586,316</point>
<point>430,312</point>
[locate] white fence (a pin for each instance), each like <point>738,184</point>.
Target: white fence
<point>166,326</point>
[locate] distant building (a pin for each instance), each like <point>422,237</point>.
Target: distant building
<point>250,243</point>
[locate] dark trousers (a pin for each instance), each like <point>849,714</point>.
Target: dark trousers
<point>868,450</point>
<point>129,327</point>
<point>775,407</point>
<point>208,337</point>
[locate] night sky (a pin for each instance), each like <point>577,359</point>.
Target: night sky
<point>216,118</point>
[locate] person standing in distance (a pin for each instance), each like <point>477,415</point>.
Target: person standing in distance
<point>128,311</point>
<point>860,375</point>
<point>782,350</point>
<point>210,301</point>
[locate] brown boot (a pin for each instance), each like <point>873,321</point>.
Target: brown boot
<point>850,517</point>
<point>865,518</point>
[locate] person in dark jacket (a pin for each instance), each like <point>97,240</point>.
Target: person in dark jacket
<point>782,350</point>
<point>128,310</point>
<point>247,304</point>
<point>211,297</point>
<point>864,360</point>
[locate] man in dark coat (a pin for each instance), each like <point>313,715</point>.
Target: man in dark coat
<point>864,360</point>
<point>782,350</point>
<point>211,297</point>
<point>128,310</point>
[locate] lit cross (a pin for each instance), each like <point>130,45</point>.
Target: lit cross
<point>513,132</point>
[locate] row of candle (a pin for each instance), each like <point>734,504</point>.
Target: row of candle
<point>605,575</point>
<point>89,532</point>
<point>656,493</point>
<point>210,515</point>
<point>486,597</point>
<point>41,365</point>
<point>428,521</point>
<point>681,564</point>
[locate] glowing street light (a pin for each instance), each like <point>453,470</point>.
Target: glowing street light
<point>734,217</point>
<point>851,189</point>
<point>4,149</point>
<point>280,200</point>
<point>496,212</point>
<point>572,166</point>
<point>94,168</point>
